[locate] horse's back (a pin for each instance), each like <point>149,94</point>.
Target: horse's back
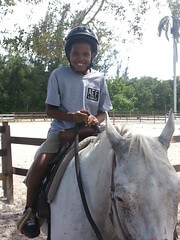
<point>68,219</point>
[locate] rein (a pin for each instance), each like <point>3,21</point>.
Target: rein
<point>79,180</point>
<point>83,197</point>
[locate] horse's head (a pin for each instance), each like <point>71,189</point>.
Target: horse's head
<point>146,187</point>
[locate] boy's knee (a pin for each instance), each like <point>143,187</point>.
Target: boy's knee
<point>45,158</point>
<point>39,166</point>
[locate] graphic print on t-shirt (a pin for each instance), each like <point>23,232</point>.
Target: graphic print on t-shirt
<point>92,94</point>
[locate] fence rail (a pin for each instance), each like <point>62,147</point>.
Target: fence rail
<point>7,168</point>
<point>33,116</point>
<point>5,152</point>
<point>23,116</point>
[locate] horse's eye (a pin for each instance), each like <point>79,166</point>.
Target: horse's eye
<point>120,199</point>
<point>124,204</point>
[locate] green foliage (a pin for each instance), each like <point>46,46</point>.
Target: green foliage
<point>45,40</point>
<point>122,95</point>
<point>23,89</point>
<point>144,94</point>
<point>163,95</point>
<point>35,51</point>
<point>141,95</point>
<point>22,86</point>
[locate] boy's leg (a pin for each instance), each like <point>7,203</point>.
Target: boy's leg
<point>28,224</point>
<point>38,170</point>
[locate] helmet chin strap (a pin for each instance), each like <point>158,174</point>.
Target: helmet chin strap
<point>88,68</point>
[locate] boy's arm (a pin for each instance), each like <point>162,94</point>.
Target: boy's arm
<point>77,117</point>
<point>95,120</point>
<point>101,117</point>
<point>88,130</point>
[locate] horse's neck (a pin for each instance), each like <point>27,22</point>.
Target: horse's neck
<point>98,175</point>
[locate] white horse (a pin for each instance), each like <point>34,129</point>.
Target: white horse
<point>134,198</point>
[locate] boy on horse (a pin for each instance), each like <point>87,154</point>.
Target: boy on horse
<point>75,94</point>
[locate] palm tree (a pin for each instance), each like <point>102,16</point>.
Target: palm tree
<point>164,24</point>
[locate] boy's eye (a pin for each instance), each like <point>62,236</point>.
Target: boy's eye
<point>86,54</point>
<point>74,53</point>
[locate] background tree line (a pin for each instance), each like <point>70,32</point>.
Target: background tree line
<point>145,95</point>
<point>29,54</point>
<point>23,89</point>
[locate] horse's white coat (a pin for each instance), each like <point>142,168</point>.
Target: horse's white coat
<point>67,214</point>
<point>146,190</point>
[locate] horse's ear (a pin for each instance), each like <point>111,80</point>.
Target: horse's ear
<point>168,131</point>
<point>114,137</point>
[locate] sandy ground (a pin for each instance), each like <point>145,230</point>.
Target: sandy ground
<point>22,156</point>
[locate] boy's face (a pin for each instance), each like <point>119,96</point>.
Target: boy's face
<point>80,57</point>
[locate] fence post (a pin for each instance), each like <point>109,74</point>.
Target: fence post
<point>113,118</point>
<point>7,170</point>
<point>165,116</point>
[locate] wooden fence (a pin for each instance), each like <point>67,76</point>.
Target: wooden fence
<point>6,176</point>
<point>33,116</point>
<point>5,152</point>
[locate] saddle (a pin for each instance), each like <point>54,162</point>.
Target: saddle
<point>54,175</point>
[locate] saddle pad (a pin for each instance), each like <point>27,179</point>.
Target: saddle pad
<point>62,167</point>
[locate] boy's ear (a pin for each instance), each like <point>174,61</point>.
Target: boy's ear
<point>93,56</point>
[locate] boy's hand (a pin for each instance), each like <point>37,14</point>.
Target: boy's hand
<point>81,116</point>
<point>91,121</point>
<point>84,116</point>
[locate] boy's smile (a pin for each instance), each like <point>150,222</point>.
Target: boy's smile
<point>80,57</point>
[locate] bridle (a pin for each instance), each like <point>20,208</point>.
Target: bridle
<point>113,212</point>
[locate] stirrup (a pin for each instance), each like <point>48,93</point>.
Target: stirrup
<point>23,220</point>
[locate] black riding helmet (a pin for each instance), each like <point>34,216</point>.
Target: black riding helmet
<point>80,34</point>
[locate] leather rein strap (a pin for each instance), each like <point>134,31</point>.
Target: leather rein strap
<point>79,180</point>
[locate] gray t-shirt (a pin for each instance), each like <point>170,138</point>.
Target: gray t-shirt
<point>71,92</point>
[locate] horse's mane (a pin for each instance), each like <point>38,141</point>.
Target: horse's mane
<point>138,142</point>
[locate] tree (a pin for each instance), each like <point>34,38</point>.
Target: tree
<point>144,94</point>
<point>122,96</point>
<point>39,48</point>
<point>22,86</point>
<point>45,40</point>
<point>163,96</point>
<point>141,95</point>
